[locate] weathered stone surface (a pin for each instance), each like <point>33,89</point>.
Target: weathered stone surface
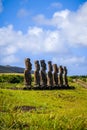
<point>41,79</point>
<point>28,64</point>
<point>65,76</point>
<point>37,74</point>
<point>60,76</point>
<point>43,76</point>
<point>50,75</point>
<point>55,75</point>
<point>27,73</point>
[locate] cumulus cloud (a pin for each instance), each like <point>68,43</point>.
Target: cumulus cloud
<point>41,19</point>
<point>70,30</point>
<point>36,39</point>
<point>72,25</point>
<point>1,6</point>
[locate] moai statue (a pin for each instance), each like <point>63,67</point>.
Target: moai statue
<point>36,73</point>
<point>27,73</point>
<point>50,75</point>
<point>43,76</point>
<point>65,76</point>
<point>55,75</point>
<point>60,76</point>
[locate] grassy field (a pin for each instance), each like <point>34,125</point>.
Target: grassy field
<point>43,109</point>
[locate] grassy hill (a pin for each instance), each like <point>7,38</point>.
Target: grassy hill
<point>43,110</point>
<point>11,69</point>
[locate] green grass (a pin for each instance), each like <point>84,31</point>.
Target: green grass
<point>55,109</point>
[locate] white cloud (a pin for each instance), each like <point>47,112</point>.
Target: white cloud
<point>40,19</point>
<point>36,40</point>
<point>70,30</point>
<point>1,6</point>
<point>22,13</point>
<point>72,25</point>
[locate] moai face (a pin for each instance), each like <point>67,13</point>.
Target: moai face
<point>43,65</point>
<point>37,65</point>
<point>55,68</point>
<point>28,64</point>
<point>50,66</point>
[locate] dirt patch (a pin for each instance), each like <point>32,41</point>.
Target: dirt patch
<point>25,108</point>
<point>82,83</point>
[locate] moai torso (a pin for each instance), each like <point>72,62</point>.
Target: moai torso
<point>37,74</point>
<point>43,76</point>
<point>60,76</point>
<point>55,75</point>
<point>65,76</point>
<point>27,72</point>
<point>50,75</point>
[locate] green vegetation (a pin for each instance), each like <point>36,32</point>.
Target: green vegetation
<point>82,77</point>
<point>12,81</point>
<point>51,109</point>
<point>11,78</point>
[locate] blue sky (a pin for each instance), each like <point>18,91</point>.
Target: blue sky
<point>53,30</point>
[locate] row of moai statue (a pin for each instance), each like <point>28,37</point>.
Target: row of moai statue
<point>56,76</point>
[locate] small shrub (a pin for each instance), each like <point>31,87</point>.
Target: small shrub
<point>11,78</point>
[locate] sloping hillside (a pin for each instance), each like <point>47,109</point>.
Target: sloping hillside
<point>11,69</point>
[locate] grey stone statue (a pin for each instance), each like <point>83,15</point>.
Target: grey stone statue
<point>27,73</point>
<point>65,76</point>
<point>50,75</point>
<point>43,76</point>
<point>37,74</point>
<point>60,76</point>
<point>55,75</point>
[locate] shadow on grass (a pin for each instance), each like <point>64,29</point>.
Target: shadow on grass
<point>49,88</point>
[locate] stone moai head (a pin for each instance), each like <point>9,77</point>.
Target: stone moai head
<point>50,66</point>
<point>43,65</point>
<point>55,68</point>
<point>37,65</point>
<point>65,69</point>
<point>28,64</point>
<point>61,69</point>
